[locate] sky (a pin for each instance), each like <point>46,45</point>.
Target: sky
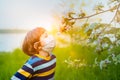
<point>27,14</point>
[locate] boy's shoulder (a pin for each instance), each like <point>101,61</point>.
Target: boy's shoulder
<point>52,55</point>
<point>33,59</point>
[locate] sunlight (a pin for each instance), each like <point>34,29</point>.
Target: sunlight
<point>42,22</point>
<point>47,24</point>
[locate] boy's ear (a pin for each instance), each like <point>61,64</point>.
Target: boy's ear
<point>37,45</point>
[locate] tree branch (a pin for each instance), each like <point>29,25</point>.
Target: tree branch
<point>111,20</point>
<point>115,13</point>
<point>94,14</point>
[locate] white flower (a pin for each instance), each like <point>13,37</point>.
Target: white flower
<point>102,64</point>
<point>96,62</point>
<point>107,61</point>
<point>77,60</point>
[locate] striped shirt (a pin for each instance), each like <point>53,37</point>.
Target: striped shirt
<point>37,68</point>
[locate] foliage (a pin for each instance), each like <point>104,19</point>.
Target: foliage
<point>12,61</point>
<point>104,36</point>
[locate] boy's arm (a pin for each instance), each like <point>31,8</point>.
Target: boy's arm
<point>24,73</point>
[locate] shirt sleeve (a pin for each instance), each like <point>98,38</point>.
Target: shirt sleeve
<point>23,73</point>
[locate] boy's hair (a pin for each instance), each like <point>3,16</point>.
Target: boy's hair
<point>32,37</point>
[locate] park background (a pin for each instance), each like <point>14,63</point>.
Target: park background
<point>87,34</point>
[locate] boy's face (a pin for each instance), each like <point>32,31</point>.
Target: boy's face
<point>43,36</point>
<point>47,42</point>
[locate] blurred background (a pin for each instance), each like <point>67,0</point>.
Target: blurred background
<point>87,34</point>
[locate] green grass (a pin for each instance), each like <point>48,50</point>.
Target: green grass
<point>10,62</point>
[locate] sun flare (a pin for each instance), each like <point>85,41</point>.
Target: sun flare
<point>47,25</point>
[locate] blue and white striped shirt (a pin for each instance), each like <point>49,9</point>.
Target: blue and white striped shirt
<point>37,68</point>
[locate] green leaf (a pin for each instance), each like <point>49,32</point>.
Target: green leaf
<point>89,32</point>
<point>112,30</point>
<point>106,40</point>
<point>70,14</point>
<point>92,26</point>
<point>99,7</point>
<point>118,42</point>
<point>82,14</point>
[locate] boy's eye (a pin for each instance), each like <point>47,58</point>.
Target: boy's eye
<point>46,35</point>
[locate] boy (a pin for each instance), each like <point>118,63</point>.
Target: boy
<point>41,65</point>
